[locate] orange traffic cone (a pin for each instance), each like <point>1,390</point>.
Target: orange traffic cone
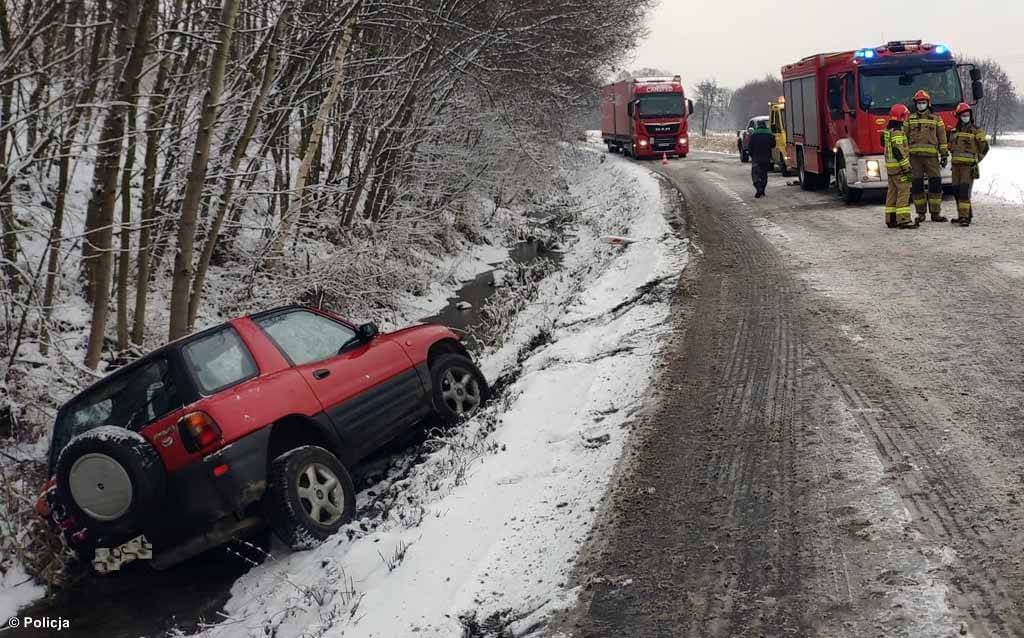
<point>664,159</point>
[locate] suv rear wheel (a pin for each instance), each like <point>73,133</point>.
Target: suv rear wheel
<point>310,495</point>
<point>458,387</point>
<point>110,478</point>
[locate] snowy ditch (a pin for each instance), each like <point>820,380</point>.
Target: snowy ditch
<point>479,534</point>
<point>475,530</point>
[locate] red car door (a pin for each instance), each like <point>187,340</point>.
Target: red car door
<point>370,390</point>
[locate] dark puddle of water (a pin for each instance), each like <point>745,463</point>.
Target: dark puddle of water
<point>480,288</point>
<point>139,602</point>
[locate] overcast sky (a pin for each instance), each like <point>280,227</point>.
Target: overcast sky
<point>736,41</point>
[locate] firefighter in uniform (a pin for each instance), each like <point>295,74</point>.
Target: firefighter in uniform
<point>929,153</point>
<point>897,165</point>
<point>968,146</point>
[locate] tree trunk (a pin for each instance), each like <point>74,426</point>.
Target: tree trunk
<point>74,13</point>
<point>269,70</point>
<point>8,230</point>
<point>124,257</point>
<point>155,121</point>
<point>108,163</point>
<point>99,46</point>
<point>313,148</point>
<point>181,284</point>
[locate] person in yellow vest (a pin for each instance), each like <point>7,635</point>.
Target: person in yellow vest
<point>968,146</point>
<point>929,154</point>
<point>897,165</point>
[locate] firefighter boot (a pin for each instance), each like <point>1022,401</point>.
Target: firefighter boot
<point>910,225</point>
<point>919,197</point>
<point>890,220</point>
<point>935,199</point>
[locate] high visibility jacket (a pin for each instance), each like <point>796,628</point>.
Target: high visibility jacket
<point>926,134</point>
<point>968,144</point>
<point>897,153</point>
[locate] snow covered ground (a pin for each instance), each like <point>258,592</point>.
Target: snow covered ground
<point>487,527</point>
<point>1002,174</point>
<point>16,590</point>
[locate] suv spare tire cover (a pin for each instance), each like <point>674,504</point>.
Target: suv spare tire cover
<point>110,478</point>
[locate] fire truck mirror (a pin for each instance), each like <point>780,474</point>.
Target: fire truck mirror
<point>629,109</point>
<point>978,89</point>
<point>689,106</point>
<point>975,75</point>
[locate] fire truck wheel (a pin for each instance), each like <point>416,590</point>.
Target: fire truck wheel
<point>808,181</point>
<point>849,195</point>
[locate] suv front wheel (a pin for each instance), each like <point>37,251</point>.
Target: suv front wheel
<point>310,495</point>
<point>459,388</point>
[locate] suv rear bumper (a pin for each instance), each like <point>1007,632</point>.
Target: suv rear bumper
<point>198,502</point>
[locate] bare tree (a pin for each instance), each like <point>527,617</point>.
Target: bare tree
<point>711,100</point>
<point>183,269</point>
<point>132,33</point>
<point>752,99</point>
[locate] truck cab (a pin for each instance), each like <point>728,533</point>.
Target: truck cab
<point>646,118</point>
<point>837,105</point>
<point>777,123</point>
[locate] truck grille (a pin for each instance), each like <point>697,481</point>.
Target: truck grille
<point>664,144</point>
<point>658,130</point>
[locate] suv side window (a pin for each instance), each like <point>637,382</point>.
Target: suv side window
<point>305,337</point>
<point>219,360</point>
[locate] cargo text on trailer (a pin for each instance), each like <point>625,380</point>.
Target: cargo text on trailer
<point>646,117</point>
<point>837,105</point>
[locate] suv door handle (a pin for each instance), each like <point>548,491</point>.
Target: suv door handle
<point>321,374</point>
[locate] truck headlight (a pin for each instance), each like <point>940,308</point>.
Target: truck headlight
<point>643,142</point>
<point>874,170</point>
<point>683,140</point>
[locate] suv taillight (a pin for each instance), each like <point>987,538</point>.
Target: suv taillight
<point>198,431</point>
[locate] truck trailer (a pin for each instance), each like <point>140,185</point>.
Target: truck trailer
<point>837,105</point>
<point>646,117</point>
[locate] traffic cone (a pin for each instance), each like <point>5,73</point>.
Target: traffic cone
<point>664,159</point>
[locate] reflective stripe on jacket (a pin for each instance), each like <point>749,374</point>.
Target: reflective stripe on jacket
<point>968,145</point>
<point>926,134</point>
<point>897,155</point>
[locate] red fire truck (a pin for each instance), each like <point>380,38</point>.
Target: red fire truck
<point>838,103</point>
<point>646,117</point>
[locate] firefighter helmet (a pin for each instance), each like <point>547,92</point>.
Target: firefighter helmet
<point>922,96</point>
<point>899,112</point>
<point>962,108</point>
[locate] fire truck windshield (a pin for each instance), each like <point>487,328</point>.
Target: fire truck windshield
<point>881,89</point>
<point>661,105</point>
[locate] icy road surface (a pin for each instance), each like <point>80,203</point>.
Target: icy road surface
<point>837,446</point>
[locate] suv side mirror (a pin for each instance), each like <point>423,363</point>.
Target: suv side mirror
<point>367,331</point>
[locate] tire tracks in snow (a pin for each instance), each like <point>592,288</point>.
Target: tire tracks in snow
<point>799,490</point>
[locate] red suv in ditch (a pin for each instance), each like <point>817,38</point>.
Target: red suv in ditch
<point>242,426</point>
